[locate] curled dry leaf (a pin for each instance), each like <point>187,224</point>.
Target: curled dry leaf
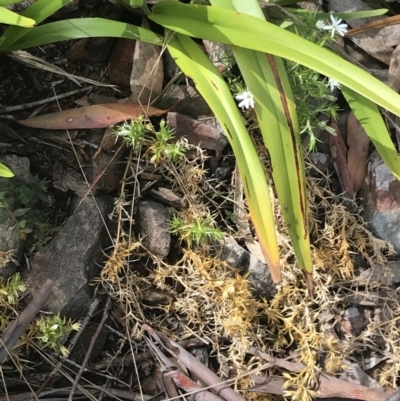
<point>96,116</point>
<point>358,147</point>
<point>338,152</point>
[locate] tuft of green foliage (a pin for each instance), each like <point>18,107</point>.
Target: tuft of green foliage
<point>10,290</point>
<point>19,201</point>
<point>51,330</point>
<point>198,231</point>
<point>158,144</point>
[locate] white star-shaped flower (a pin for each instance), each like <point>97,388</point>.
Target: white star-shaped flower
<point>246,99</point>
<point>332,84</point>
<point>336,27</point>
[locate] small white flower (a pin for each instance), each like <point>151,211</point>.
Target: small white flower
<point>336,27</point>
<point>332,84</point>
<point>246,99</point>
<point>320,24</point>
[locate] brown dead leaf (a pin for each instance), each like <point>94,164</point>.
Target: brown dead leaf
<point>358,146</point>
<point>338,152</point>
<point>95,116</point>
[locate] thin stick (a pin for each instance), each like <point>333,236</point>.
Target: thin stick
<point>89,351</point>
<point>43,101</point>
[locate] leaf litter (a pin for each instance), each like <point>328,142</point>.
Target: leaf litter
<point>213,302</point>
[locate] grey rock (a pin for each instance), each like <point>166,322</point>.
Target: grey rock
<point>11,246</point>
<point>72,259</point>
<point>380,196</point>
<point>386,275</point>
<point>355,374</point>
<point>190,102</point>
<point>259,275</point>
<point>321,160</point>
<point>20,166</point>
<point>168,198</point>
<point>152,223</point>
<point>206,135</point>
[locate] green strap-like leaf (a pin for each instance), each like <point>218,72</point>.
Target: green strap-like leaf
<point>267,80</point>
<point>370,118</point>
<point>83,28</point>
<point>5,171</point>
<point>10,18</point>
<point>232,28</point>
<point>214,90</point>
<point>38,11</point>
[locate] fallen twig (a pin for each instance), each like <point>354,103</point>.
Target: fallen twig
<point>17,327</point>
<point>329,386</point>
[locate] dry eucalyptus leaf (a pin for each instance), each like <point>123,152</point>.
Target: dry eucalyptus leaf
<point>358,147</point>
<point>95,116</point>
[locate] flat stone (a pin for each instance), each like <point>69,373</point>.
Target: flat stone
<point>168,198</point>
<point>11,246</point>
<point>152,223</point>
<point>197,133</point>
<point>259,275</point>
<point>190,101</point>
<point>72,259</point>
<point>380,196</point>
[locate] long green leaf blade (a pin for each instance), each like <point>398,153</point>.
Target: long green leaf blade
<point>38,11</point>
<point>221,25</point>
<point>212,87</point>
<point>370,118</point>
<point>10,18</point>
<point>83,28</point>
<point>266,78</point>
